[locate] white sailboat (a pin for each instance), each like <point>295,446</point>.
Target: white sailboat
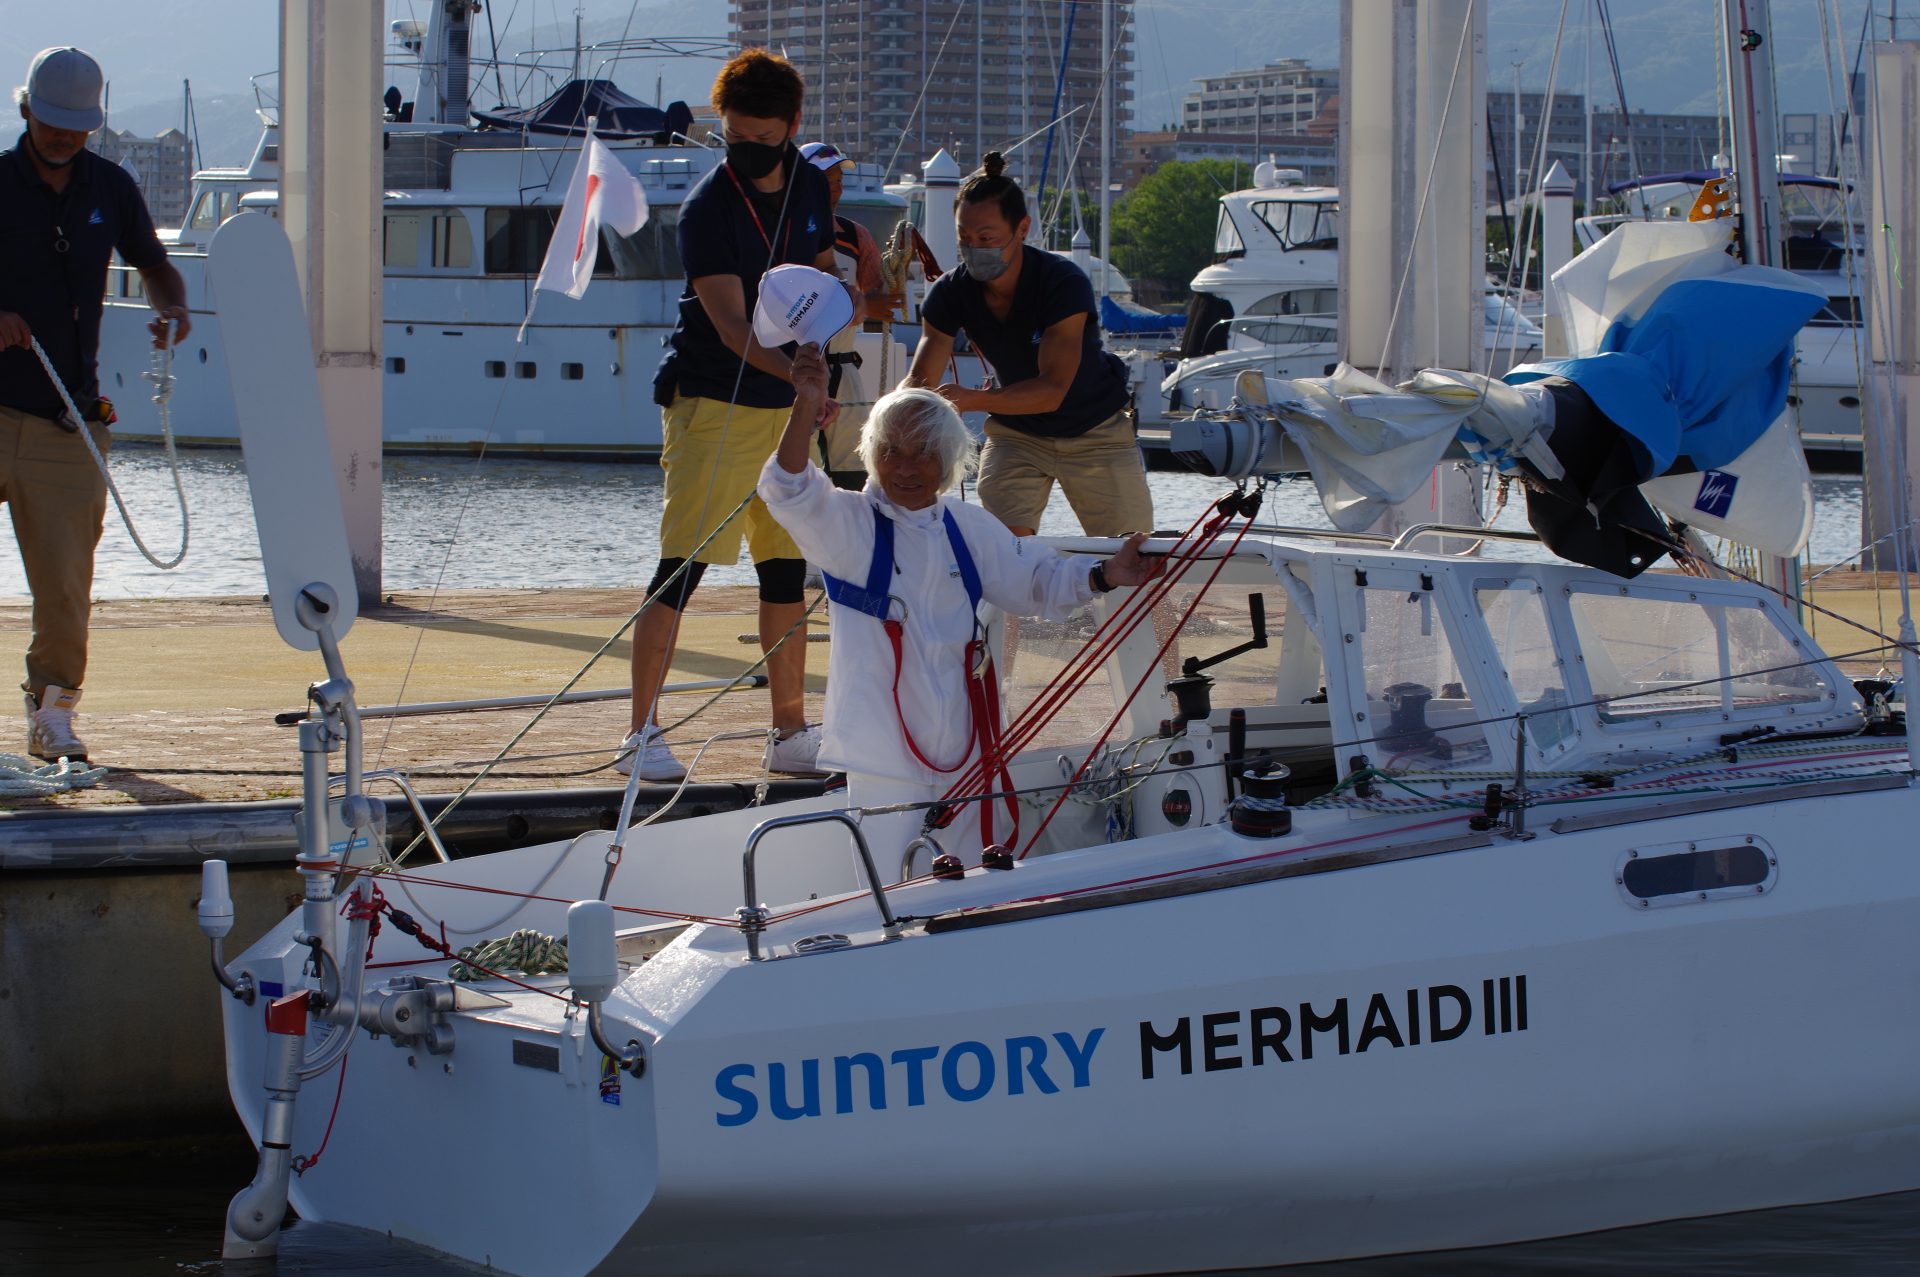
<point>1468,909</point>
<point>1445,900</point>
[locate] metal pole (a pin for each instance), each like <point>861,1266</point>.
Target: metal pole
<point>1106,140</point>
<point>1586,154</point>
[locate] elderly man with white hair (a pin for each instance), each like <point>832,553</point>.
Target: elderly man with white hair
<point>907,565</point>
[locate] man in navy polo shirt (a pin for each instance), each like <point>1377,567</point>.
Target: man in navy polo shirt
<point>724,401</point>
<point>63,213</point>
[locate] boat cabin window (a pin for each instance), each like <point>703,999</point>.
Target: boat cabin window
<point>450,240</point>
<point>1418,714</point>
<point>1655,656</point>
<point>402,239</point>
<point>1693,874</point>
<point>879,219</point>
<point>1259,331</point>
<point>517,241</point>
<point>212,208</point>
<point>1227,243</point>
<point>653,251</point>
<point>1516,615</point>
<point>1299,225</point>
<point>1298,301</point>
<point>1839,312</point>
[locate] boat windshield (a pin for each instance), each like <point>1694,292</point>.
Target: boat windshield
<point>1227,243</point>
<point>1299,224</point>
<point>1667,655</point>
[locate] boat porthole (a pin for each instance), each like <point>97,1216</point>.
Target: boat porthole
<point>1849,401</point>
<point>1693,873</point>
<point>203,354</point>
<point>119,380</point>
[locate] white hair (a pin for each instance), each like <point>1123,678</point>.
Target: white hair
<point>919,420</point>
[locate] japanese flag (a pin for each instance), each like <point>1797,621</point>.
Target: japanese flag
<point>602,193</point>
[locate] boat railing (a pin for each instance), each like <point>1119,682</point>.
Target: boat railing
<point>407,792</point>
<point>1406,539</point>
<point>753,915</point>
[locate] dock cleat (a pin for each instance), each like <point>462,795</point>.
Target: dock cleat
<point>50,733</point>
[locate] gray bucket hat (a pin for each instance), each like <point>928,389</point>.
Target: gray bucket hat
<point>63,89</point>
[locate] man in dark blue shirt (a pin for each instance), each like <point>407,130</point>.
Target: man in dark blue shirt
<point>724,401</point>
<point>1060,409</point>
<point>64,211</point>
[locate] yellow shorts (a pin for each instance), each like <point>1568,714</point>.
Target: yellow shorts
<point>712,453</point>
<point>1100,472</point>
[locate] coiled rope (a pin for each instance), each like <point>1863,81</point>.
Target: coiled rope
<point>160,373</point>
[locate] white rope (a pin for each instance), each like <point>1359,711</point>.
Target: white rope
<point>161,375</point>
<point>22,777</point>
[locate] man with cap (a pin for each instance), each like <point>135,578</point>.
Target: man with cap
<point>724,400</point>
<point>64,211</point>
<point>848,384</point>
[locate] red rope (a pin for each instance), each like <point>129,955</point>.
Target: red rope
<point>1075,674</point>
<point>301,1165</point>
<point>1152,669</point>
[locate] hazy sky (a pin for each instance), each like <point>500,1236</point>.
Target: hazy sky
<point>149,46</point>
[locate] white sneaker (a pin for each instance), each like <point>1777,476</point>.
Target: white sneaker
<point>657,762</point>
<point>796,755</point>
<point>50,733</point>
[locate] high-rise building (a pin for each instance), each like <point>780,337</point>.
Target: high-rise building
<point>1281,97</point>
<point>162,166</point>
<point>893,81</point>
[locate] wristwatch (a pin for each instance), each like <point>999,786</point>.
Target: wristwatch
<point>1097,578</point>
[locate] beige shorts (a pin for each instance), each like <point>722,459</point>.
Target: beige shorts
<point>712,452</point>
<point>1100,471</point>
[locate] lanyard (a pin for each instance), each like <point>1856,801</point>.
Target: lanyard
<point>786,235</point>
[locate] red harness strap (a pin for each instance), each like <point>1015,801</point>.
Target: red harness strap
<point>983,712</point>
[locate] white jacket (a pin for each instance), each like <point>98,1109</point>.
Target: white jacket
<point>834,529</point>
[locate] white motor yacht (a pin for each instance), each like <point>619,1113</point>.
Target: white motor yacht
<point>470,204</point>
<point>1269,302</point>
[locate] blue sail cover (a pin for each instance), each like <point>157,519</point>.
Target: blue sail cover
<point>566,112</point>
<point>1118,317</point>
<point>1701,374</point>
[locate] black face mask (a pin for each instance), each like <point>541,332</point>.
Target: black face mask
<point>754,160</point>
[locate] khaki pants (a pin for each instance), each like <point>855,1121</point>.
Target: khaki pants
<point>58,500</point>
<point>1100,471</point>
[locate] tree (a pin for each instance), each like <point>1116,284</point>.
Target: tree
<point>1163,228</point>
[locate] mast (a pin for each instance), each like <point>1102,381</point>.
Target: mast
<point>1748,48</point>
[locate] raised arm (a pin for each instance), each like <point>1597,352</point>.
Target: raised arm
<point>809,400</point>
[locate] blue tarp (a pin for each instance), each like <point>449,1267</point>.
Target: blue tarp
<point>1702,374</point>
<point>1118,317</point>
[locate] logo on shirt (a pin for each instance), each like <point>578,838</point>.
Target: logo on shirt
<point>1036,336</point>
<point>95,219</point>
<point>813,227</point>
<point>1716,493</point>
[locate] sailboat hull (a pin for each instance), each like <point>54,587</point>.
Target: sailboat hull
<point>1453,1046</point>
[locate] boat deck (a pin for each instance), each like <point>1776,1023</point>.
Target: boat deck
<point>182,693</point>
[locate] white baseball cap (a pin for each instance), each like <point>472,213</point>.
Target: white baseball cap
<point>801,304</point>
<point>63,89</point>
<point>823,155</point>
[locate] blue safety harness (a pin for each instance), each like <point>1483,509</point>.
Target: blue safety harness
<point>873,599</point>
<point>983,684</point>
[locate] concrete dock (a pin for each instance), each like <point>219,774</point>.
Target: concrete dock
<point>181,693</point>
